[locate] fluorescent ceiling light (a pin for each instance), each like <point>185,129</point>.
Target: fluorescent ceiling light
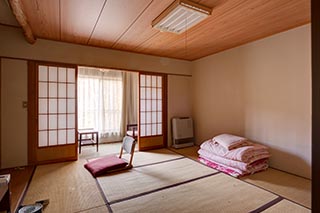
<point>180,16</point>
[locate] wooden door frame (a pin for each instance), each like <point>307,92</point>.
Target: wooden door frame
<point>165,109</point>
<point>32,88</point>
<point>0,110</point>
<point>315,33</point>
<point>32,113</point>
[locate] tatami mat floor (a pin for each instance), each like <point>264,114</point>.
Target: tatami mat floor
<point>72,188</point>
<point>294,188</point>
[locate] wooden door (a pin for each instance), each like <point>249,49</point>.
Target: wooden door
<point>52,112</point>
<point>152,111</point>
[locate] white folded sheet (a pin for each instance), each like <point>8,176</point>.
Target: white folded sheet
<point>230,141</point>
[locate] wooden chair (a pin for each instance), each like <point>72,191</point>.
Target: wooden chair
<point>113,163</point>
<point>132,130</point>
<point>128,145</point>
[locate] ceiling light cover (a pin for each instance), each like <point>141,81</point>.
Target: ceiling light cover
<point>180,16</point>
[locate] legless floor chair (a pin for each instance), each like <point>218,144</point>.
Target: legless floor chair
<point>113,163</point>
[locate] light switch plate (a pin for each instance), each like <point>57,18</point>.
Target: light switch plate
<point>24,104</point>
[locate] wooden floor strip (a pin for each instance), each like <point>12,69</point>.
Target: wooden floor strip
<point>20,179</point>
<point>26,188</point>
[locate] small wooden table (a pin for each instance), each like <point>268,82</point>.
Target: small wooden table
<point>92,138</point>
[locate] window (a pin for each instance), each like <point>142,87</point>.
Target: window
<point>100,100</point>
<point>150,105</point>
<point>56,105</point>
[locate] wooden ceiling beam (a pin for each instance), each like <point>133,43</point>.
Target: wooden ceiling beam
<point>18,12</point>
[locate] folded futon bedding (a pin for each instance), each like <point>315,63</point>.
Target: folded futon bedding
<point>234,155</point>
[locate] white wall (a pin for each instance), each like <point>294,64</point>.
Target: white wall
<point>13,44</point>
<point>261,90</point>
<point>13,117</point>
<point>218,95</point>
<point>179,99</point>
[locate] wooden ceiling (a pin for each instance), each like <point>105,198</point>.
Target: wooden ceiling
<point>126,24</point>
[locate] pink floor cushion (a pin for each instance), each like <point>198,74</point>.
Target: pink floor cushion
<point>103,165</point>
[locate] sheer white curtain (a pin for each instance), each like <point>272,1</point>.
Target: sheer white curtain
<point>100,101</point>
<point>130,100</point>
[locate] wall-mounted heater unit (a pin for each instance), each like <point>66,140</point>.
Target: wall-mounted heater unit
<point>182,132</point>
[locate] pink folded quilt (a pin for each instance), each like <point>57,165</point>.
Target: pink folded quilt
<point>259,166</point>
<point>247,167</point>
<point>247,154</point>
<point>224,169</point>
<point>230,141</point>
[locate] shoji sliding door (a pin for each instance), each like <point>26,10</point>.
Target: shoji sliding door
<point>152,111</point>
<point>52,112</point>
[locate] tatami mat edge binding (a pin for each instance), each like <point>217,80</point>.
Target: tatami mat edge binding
<point>283,197</point>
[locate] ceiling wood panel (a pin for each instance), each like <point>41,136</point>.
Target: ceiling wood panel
<point>164,40</point>
<point>221,16</point>
<point>258,25</point>
<point>212,3</point>
<point>115,19</point>
<point>240,24</point>
<point>142,30</point>
<point>126,24</point>
<point>43,17</point>
<point>184,46</point>
<point>78,18</point>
